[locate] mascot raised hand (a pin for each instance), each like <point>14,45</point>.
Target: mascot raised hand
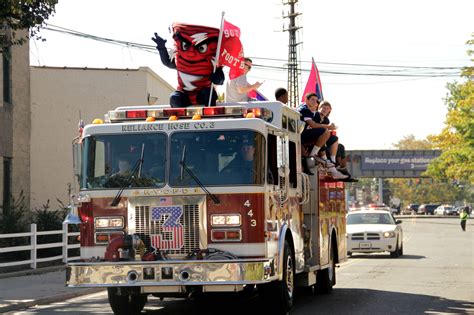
<point>193,56</point>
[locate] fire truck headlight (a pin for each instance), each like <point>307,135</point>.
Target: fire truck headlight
<point>233,219</point>
<point>108,223</point>
<point>218,220</point>
<point>226,220</point>
<point>389,234</point>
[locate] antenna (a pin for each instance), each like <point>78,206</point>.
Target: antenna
<point>293,70</point>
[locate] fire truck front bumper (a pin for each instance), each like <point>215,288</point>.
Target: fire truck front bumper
<point>171,273</point>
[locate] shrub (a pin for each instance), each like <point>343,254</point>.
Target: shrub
<point>49,220</point>
<point>15,219</point>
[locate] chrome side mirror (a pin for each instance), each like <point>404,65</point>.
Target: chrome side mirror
<point>72,217</point>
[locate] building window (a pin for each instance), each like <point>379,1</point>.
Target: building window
<point>6,75</point>
<point>7,180</point>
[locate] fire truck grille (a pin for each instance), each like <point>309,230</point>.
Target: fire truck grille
<point>145,227</point>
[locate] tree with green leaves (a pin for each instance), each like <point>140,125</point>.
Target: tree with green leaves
<point>18,15</point>
<point>424,190</point>
<point>411,143</point>
<point>456,140</point>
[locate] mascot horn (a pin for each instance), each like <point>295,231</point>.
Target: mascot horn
<point>193,57</point>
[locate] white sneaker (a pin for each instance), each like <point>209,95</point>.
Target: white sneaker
<point>336,174</point>
<point>324,162</point>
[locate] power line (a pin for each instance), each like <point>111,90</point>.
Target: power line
<point>448,74</point>
<point>363,65</point>
<point>440,71</point>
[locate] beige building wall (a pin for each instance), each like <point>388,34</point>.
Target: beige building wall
<point>15,120</point>
<point>59,97</point>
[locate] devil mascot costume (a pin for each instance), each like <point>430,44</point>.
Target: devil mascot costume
<point>193,57</point>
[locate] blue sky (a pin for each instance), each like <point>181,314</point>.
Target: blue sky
<point>372,112</point>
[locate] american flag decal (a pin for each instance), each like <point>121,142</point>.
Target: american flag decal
<point>171,236</point>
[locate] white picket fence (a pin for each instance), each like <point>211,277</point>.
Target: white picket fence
<point>34,246</point>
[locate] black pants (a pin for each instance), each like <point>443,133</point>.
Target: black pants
<point>181,99</point>
<point>463,225</point>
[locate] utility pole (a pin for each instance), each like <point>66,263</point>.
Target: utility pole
<point>293,70</point>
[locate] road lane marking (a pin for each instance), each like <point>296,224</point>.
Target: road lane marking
<point>348,263</point>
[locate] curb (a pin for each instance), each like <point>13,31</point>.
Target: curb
<point>28,272</point>
<point>48,300</point>
<point>409,216</point>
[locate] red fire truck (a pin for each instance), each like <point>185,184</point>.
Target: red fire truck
<point>178,201</point>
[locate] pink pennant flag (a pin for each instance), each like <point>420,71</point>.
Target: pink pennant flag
<point>314,83</point>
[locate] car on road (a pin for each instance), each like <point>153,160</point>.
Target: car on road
<point>371,231</point>
<point>428,208</point>
<point>458,210</point>
<point>411,209</point>
<point>445,210</point>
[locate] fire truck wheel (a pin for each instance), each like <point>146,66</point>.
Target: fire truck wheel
<point>326,279</point>
<point>278,295</point>
<point>125,303</point>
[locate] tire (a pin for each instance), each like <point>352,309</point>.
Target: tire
<point>248,290</point>
<point>400,251</point>
<point>125,303</point>
<point>278,295</point>
<point>326,279</point>
<point>396,252</point>
<point>349,254</point>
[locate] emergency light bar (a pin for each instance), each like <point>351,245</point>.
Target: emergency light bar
<point>123,115</point>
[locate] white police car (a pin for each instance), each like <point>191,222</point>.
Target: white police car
<point>371,231</point>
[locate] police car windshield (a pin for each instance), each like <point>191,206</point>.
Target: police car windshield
<point>108,161</point>
<point>370,218</point>
<point>218,158</point>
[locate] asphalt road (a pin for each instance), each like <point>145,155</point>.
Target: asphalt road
<point>435,276</point>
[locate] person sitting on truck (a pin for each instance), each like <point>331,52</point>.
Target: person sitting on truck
<point>238,88</point>
<point>341,162</point>
<point>312,136</point>
<point>340,158</point>
<point>321,119</point>
<point>316,135</point>
<point>281,94</point>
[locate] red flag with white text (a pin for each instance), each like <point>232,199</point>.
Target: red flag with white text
<point>232,52</point>
<point>314,83</point>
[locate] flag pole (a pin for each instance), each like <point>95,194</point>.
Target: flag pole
<point>318,80</point>
<point>218,52</point>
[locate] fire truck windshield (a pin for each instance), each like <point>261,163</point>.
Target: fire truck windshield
<point>218,158</point>
<point>108,160</point>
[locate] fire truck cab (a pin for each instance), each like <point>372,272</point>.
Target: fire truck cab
<point>213,199</point>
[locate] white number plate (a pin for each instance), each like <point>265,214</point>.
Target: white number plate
<point>365,245</point>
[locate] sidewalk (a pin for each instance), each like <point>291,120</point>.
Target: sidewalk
<point>32,287</point>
